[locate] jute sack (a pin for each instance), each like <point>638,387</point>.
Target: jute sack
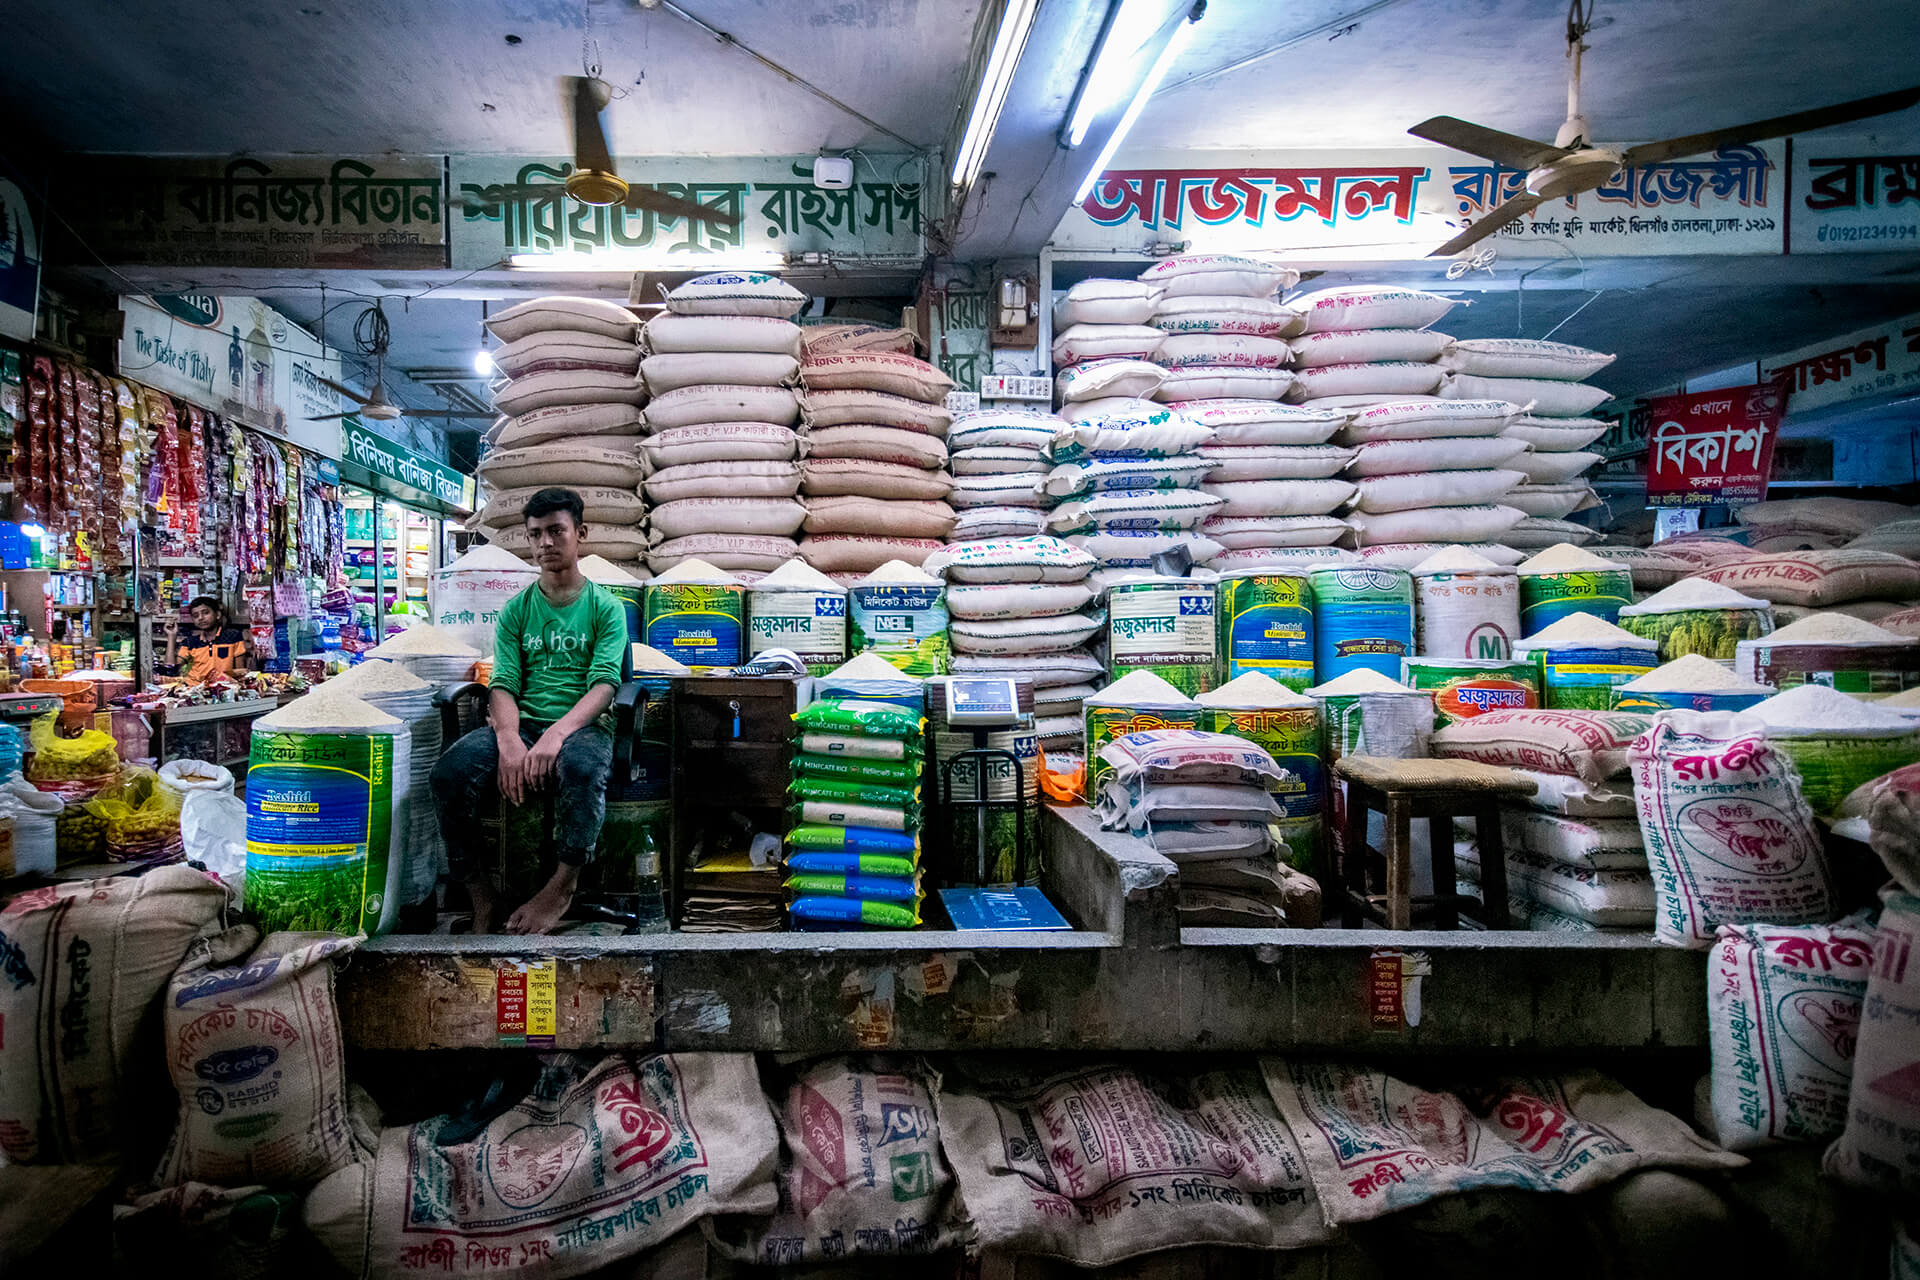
<point>1819,579</point>
<point>862,553</point>
<point>615,464</point>
<point>597,1163</point>
<point>878,517</point>
<point>721,442</point>
<point>1104,1163</point>
<point>85,963</point>
<point>723,551</point>
<point>770,516</point>
<point>876,409</point>
<point>824,339</point>
<point>565,314</point>
<point>568,386</point>
<point>861,1171</point>
<point>676,369</point>
<point>604,505</point>
<point>669,332</point>
<point>729,479</point>
<point>556,352</point>
<point>564,422</point>
<point>694,406</point>
<point>1879,1150</point>
<point>253,1044</point>
<point>878,444</point>
<point>827,477</point>
<point>899,375</point>
<point>1375,1145</point>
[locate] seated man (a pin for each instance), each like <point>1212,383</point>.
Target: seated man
<point>556,668</point>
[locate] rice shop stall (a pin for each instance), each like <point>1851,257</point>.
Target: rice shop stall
<point>398,507</point>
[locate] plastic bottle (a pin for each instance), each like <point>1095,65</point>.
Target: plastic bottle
<point>650,901</point>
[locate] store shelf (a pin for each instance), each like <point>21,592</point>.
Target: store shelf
<point>176,716</point>
<point>180,562</point>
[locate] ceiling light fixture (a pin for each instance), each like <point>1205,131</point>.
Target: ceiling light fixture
<point>1016,24</point>
<point>483,364</point>
<point>1176,43</point>
<point>1126,31</point>
<point>626,261</point>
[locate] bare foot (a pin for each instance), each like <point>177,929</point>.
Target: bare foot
<point>481,895</point>
<point>542,911</point>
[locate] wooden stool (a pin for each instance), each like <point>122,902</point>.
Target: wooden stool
<point>1439,791</point>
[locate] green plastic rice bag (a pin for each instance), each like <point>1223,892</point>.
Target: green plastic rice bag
<point>871,888</point>
<point>854,839</point>
<point>854,791</point>
<point>897,773</point>
<point>841,813</point>
<point>822,910</point>
<point>875,748</point>
<point>866,864</point>
<point>857,716</point>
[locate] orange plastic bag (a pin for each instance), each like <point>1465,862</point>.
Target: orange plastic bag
<point>1059,785</point>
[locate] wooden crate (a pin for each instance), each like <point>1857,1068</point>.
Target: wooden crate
<point>733,751</point>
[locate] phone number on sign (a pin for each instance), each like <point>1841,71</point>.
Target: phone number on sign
<point>1878,231</point>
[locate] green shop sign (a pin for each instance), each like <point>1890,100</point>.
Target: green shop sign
<point>398,465</point>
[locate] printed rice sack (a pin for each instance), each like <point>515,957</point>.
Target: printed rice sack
<point>1098,379</point>
<point>1879,1150</point>
<point>1729,838</point>
<point>1099,1164</point>
<point>253,1044</point>
<point>736,293</point>
<point>1105,302</point>
<point>1621,898</point>
<point>564,314</point>
<point>1375,1145</point>
<point>598,1162</point>
<point>1370,307</point>
<point>1819,579</point>
<point>1523,358</point>
<point>1783,1009</point>
<point>1214,313</point>
<point>85,963</point>
<point>1217,275</point>
<point>1425,418</point>
<point>861,1171</point>
<point>1589,745</point>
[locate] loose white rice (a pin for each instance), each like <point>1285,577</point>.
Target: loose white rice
<point>1693,674</point>
<point>423,640</point>
<point>605,572</point>
<point>866,666</point>
<point>649,660</point>
<point>693,571</point>
<point>327,707</point>
<point>1692,593</point>
<point>376,676</point>
<point>1359,680</point>
<point>1834,628</point>
<point>1815,707</point>
<point>1586,630</point>
<point>1564,557</point>
<point>1142,686</point>
<point>898,573</point>
<point>488,557</point>
<point>798,575</point>
<point>1253,689</point>
<point>1454,559</point>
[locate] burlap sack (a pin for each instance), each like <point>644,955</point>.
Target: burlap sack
<point>1880,1147</point>
<point>1105,1163</point>
<point>597,1163</point>
<point>82,966</point>
<point>861,1171</point>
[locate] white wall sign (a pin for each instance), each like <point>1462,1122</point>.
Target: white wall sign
<point>1855,194</point>
<point>1868,363</point>
<point>19,261</point>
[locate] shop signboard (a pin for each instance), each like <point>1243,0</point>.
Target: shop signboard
<point>1870,363</point>
<point>236,356</point>
<point>1713,447</point>
<point>19,260</point>
<point>274,212</point>
<point>508,205</point>
<point>1404,202</point>
<point>397,465</point>
<point>1855,194</point>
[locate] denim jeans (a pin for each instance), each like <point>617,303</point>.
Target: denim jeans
<point>466,782</point>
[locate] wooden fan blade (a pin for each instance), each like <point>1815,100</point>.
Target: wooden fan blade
<point>1513,210</point>
<point>1778,127</point>
<point>657,201</point>
<point>442,413</point>
<point>1508,149</point>
<point>590,149</point>
<point>330,417</point>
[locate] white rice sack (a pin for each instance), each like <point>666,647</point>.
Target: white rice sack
<point>720,442</point>
<point>1295,558</point>
<point>1533,533</point>
<point>736,293</point>
<point>845,553</point>
<point>833,477</point>
<point>1136,548</point>
<point>1107,473</point>
<point>519,396</point>
<point>1783,1016</point>
<point>1040,559</point>
<point>1384,378</point>
<point>670,372</point>
<point>1182,350</point>
<point>1016,600</point>
<point>878,517</point>
<point>1218,274</point>
<point>878,444</point>
<point>1523,358</point>
<point>1426,419</point>
<point>1023,635</point>
<point>1621,899</point>
<point>1576,798</point>
<point>732,551</point>
<point>607,542</point>
<point>875,409</point>
<point>978,524</point>
<point>604,506</point>
<point>1238,532</point>
<point>1268,498</point>
<point>1361,346</point>
<point>1103,378</point>
<point>998,460</point>
<point>1598,844</point>
<point>669,332</point>
<point>1165,512</point>
<point>1017,490</point>
<point>1377,495</point>
<point>1004,428</point>
<point>1542,397</point>
<point>1215,382</point>
<point>1370,307</point>
<point>565,314</point>
<point>1273,461</point>
<point>1410,555</point>
<point>696,406</point>
<point>1046,670</point>
<point>1162,433</point>
<point>555,352</point>
<point>723,480</point>
<point>1442,453</point>
<point>1557,435</point>
<point>565,421</point>
<point>1084,342</point>
<point>887,371</point>
<point>609,462</point>
<point>1108,407</point>
<point>1556,468</point>
<point>1433,524</point>
<point>1214,313</point>
<point>774,517</point>
<point>1552,501</point>
<point>1879,1152</point>
<point>1729,838</point>
<point>1105,302</point>
<point>1250,422</point>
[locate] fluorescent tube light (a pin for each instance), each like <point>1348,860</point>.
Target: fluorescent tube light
<point>1016,23</point>
<point>1118,43</point>
<point>1158,72</point>
<point>625,261</point>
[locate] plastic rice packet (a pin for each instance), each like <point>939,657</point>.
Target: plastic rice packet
<point>853,839</point>
<point>856,716</point>
<point>1188,755</point>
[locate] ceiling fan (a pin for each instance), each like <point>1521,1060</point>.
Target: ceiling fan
<point>594,180</point>
<point>370,334</point>
<point>1572,164</point>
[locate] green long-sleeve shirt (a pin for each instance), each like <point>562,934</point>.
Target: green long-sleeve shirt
<point>548,657</point>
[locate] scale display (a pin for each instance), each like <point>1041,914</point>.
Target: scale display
<point>980,702</point>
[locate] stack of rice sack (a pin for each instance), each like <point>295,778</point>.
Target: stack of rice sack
<point>721,365</point>
<point>854,847</point>
<point>1867,584</point>
<point>999,464</point>
<point>1023,606</point>
<point>571,411</point>
<point>1796,524</point>
<point>1570,861</point>
<point>875,475</point>
<point>1832,649</point>
<point>1547,379</point>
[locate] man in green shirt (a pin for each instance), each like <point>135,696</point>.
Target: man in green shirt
<point>556,667</point>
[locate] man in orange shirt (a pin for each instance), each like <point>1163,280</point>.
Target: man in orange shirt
<point>213,649</point>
